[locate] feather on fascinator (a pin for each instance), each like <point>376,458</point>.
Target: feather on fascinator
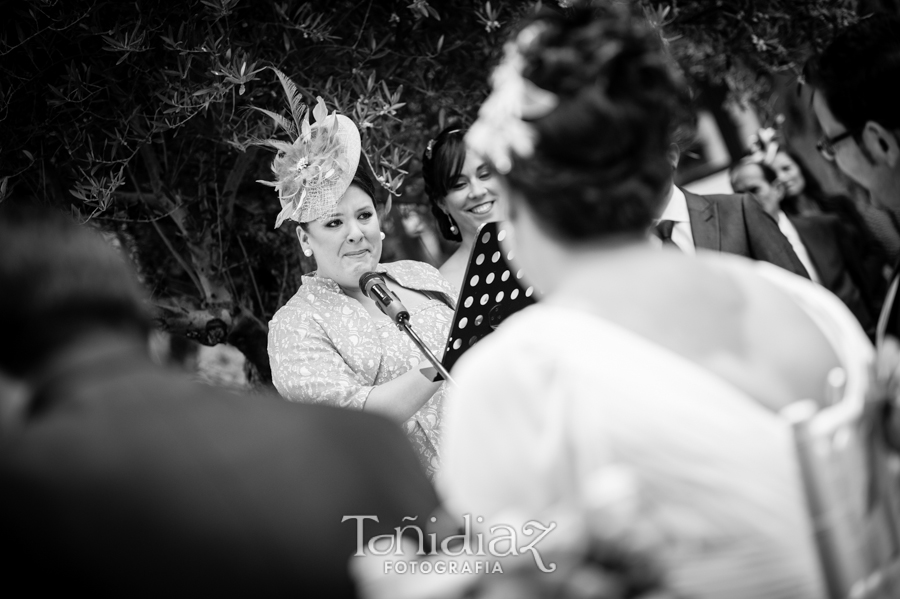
<point>315,170</point>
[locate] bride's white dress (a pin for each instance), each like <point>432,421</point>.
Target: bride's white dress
<point>556,398</point>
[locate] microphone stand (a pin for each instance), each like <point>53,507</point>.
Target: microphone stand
<point>404,325</point>
<point>374,287</point>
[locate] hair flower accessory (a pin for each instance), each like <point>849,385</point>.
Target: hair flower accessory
<point>763,146</point>
<point>313,171</point>
<point>501,129</point>
<point>429,149</point>
<point>764,143</point>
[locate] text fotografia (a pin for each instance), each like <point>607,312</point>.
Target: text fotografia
<point>503,541</point>
<point>444,567</point>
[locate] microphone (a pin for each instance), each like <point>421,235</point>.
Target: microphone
<point>373,285</point>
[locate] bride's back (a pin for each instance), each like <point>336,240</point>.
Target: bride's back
<point>716,311</point>
<point>596,172</point>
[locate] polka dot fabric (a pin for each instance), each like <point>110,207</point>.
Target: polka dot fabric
<point>493,288</point>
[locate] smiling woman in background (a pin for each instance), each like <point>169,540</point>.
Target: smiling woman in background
<point>330,343</point>
<point>464,194</point>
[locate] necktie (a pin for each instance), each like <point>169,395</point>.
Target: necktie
<point>664,232</point>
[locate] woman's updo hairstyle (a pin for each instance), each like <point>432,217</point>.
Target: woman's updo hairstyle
<point>442,162</point>
<point>599,164</point>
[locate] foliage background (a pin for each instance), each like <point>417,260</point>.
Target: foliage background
<point>134,116</point>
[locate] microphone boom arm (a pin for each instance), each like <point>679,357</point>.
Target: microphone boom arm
<point>403,325</point>
<point>373,286</point>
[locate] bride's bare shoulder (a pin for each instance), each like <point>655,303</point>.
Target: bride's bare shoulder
<point>720,313</point>
<point>778,335</point>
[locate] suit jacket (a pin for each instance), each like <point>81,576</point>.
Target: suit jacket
<point>737,224</point>
<point>131,480</point>
<point>840,267</point>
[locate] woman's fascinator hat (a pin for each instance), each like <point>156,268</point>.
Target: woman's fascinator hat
<point>315,170</point>
<point>502,129</point>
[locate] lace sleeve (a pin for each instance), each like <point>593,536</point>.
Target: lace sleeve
<point>306,367</point>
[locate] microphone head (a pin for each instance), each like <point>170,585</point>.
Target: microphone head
<point>367,278</point>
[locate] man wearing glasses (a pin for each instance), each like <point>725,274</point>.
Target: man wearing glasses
<point>856,98</point>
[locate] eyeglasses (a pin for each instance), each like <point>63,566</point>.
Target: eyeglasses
<point>826,145</point>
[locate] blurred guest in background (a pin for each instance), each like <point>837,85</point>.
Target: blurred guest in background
<point>828,248</point>
<point>873,227</point>
<point>644,379</point>
<point>874,235</point>
<point>465,193</point>
<point>417,225</point>
<point>330,343</point>
<point>120,477</point>
<point>799,197</point>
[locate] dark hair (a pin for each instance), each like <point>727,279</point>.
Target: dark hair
<point>812,190</point>
<point>364,181</point>
<point>59,281</point>
<point>599,164</point>
<point>683,129</point>
<point>442,162</point>
<point>811,186</point>
<point>683,126</point>
<point>859,73</point>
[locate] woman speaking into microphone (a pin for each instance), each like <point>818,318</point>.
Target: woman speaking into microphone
<point>331,343</point>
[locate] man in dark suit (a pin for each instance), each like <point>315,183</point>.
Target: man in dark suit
<point>735,224</point>
<point>841,269</point>
<point>121,478</point>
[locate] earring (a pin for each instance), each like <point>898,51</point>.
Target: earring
<point>307,252</point>
<point>382,235</point>
<point>454,230</point>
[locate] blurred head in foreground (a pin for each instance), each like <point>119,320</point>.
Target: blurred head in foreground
<point>61,283</point>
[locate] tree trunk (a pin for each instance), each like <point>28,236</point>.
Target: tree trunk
<point>237,327</point>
